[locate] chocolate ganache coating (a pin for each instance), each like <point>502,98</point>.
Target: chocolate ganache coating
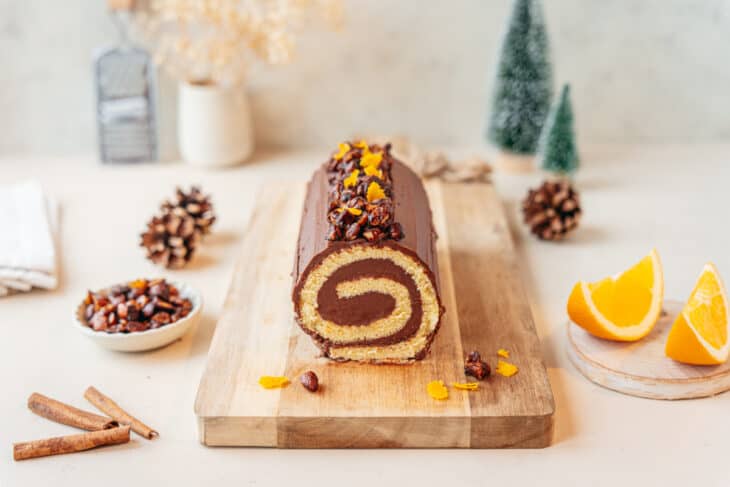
<point>368,299</point>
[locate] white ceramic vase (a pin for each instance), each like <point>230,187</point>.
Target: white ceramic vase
<point>214,125</point>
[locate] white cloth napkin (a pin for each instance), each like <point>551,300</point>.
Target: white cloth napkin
<point>28,238</point>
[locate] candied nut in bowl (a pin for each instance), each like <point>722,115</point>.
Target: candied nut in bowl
<point>140,315</point>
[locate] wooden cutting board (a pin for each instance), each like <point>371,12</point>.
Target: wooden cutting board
<point>378,406</point>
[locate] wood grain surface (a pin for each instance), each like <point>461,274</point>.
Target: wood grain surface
<point>641,368</point>
<point>378,406</point>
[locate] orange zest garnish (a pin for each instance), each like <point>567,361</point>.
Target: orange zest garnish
<point>373,170</point>
<point>138,284</point>
<point>351,180</point>
<point>351,211</point>
<point>375,192</point>
<point>466,386</point>
<point>273,382</point>
<point>503,353</point>
<point>361,145</point>
<point>344,148</point>
<point>437,390</point>
<point>371,159</point>
<point>506,369</point>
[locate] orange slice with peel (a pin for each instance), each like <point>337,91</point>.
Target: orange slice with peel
<point>624,307</point>
<point>699,335</point>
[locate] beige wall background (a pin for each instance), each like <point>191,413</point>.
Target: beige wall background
<point>641,70</point>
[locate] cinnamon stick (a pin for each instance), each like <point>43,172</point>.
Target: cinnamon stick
<point>70,443</point>
<point>65,414</point>
<point>111,408</point>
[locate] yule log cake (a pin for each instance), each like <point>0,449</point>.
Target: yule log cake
<point>366,275</point>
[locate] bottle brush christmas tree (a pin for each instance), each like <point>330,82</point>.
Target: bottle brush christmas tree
<point>524,86</point>
<point>557,152</point>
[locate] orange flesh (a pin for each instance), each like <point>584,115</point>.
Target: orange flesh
<point>626,300</point>
<point>707,312</point>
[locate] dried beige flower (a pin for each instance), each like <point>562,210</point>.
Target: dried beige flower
<point>216,41</point>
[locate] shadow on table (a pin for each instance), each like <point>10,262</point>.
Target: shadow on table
<point>200,261</point>
<point>221,238</point>
<point>586,234</point>
<point>192,344</point>
<point>203,335</point>
<point>552,345</point>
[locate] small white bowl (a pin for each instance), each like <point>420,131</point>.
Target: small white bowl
<point>139,341</point>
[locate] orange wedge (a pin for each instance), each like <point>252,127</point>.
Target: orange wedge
<point>624,307</point>
<point>699,335</point>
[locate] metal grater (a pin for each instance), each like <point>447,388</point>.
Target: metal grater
<point>125,98</point>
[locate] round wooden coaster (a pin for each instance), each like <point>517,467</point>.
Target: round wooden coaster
<point>641,368</point>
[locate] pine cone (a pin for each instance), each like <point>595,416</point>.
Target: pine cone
<point>552,210</point>
<point>170,240</point>
<point>194,204</point>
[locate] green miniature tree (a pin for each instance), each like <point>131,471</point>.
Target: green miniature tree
<point>557,152</point>
<point>524,84</point>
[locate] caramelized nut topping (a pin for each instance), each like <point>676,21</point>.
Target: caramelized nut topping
<point>476,367</point>
<point>138,306</point>
<point>360,199</point>
<point>310,381</point>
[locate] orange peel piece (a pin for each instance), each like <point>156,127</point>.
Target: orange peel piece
<point>373,170</point>
<point>351,180</point>
<point>273,382</point>
<point>437,390</point>
<point>351,211</point>
<point>466,386</point>
<point>371,159</point>
<point>375,192</point>
<point>503,353</point>
<point>506,369</point>
<point>137,284</point>
<point>344,148</point>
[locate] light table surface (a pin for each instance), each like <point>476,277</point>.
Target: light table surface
<point>672,197</point>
